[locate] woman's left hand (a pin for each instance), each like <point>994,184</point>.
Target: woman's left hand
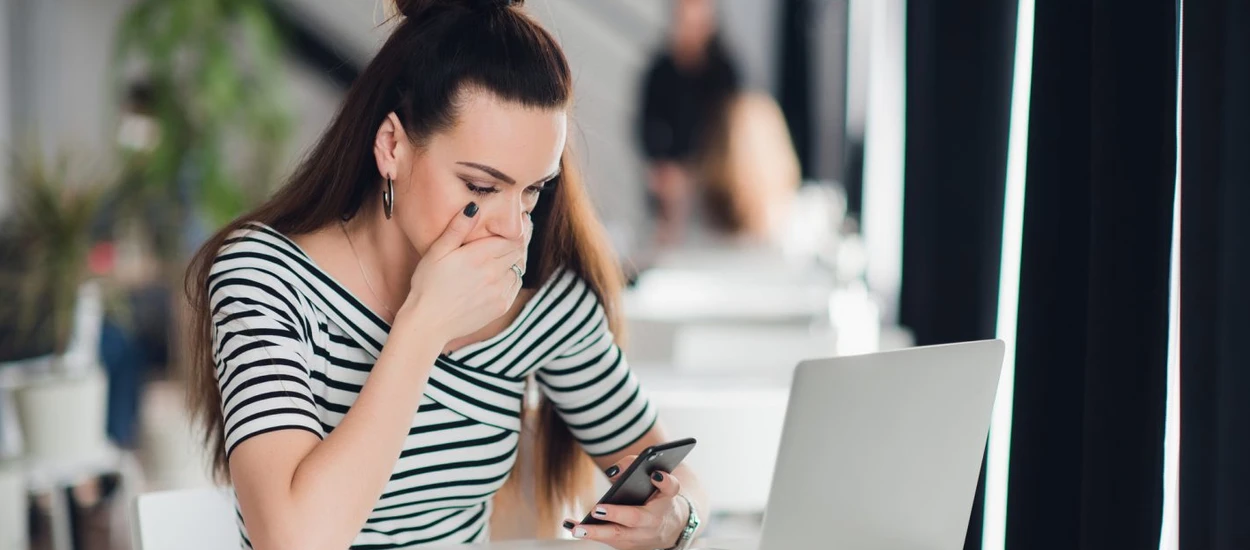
<point>656,524</point>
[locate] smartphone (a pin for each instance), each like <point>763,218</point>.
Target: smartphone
<point>633,487</point>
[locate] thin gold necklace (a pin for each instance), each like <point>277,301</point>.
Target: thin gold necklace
<point>361,265</point>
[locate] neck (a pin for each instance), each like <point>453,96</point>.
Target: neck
<point>386,254</point>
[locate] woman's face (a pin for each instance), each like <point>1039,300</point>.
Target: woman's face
<point>499,155</point>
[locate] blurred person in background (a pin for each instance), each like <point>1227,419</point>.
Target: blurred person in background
<point>683,95</point>
<point>363,341</point>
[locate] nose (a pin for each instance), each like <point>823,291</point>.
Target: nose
<point>508,221</point>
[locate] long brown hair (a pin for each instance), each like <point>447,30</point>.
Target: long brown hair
<point>438,49</point>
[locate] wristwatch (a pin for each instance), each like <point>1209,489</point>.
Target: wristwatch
<point>692,525</point>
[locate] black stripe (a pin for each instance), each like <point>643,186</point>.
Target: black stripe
<point>269,430</point>
<point>425,512</point>
<point>294,294</point>
<point>236,316</point>
<point>412,528</point>
<point>259,344</point>
<point>249,283</point>
<point>442,427</point>
<point>267,362</point>
<point>605,417</point>
<point>271,412</point>
<point>454,370</point>
<point>601,400</point>
<point>335,384</point>
<point>256,333</point>
<point>580,366</point>
<point>456,444</point>
<point>599,378</point>
<point>420,488</point>
<point>625,427</point>
<point>629,443</point>
<point>339,361</point>
<point>558,325</point>
<point>454,466</point>
<point>430,511</point>
<point>477,403</point>
<point>252,302</point>
<point>267,395</point>
<point>406,544</point>
<point>559,346</point>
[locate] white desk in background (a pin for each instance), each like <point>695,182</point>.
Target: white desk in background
<point>709,544</point>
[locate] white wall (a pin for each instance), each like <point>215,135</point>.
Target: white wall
<point>6,97</point>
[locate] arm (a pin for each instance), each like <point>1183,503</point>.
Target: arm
<point>611,417</point>
<point>299,492</point>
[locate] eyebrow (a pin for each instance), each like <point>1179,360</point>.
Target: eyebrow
<point>502,176</point>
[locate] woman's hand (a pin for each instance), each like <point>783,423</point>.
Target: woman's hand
<point>462,287</point>
<point>656,524</point>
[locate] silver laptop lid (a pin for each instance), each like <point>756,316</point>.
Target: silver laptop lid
<point>883,451</point>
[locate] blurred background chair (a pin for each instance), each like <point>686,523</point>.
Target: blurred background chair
<point>192,519</point>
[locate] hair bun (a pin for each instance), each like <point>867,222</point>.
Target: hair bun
<point>413,9</point>
<point>495,4</point>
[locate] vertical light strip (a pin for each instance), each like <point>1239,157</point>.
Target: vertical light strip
<point>1169,539</point>
<point>994,530</point>
<point>885,139</point>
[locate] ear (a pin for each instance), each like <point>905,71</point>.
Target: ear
<point>390,146</point>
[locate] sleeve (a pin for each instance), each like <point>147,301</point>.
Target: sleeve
<point>594,391</point>
<point>260,355</point>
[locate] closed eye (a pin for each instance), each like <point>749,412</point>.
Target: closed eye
<point>480,189</point>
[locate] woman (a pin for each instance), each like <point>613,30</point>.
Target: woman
<point>364,338</point>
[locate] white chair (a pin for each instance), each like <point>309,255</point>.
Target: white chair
<point>195,519</point>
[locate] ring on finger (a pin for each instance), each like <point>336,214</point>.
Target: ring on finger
<point>519,274</point>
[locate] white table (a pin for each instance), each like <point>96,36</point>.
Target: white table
<point>584,545</point>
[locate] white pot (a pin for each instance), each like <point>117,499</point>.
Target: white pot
<point>13,508</point>
<point>64,417</point>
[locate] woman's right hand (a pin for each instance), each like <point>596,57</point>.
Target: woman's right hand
<point>458,287</point>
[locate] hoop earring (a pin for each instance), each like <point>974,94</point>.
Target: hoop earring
<point>388,198</point>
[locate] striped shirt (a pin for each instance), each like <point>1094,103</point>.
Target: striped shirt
<point>293,348</point>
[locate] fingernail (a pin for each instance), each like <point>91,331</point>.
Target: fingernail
<point>471,209</point>
<point>600,512</point>
<point>579,533</point>
<point>568,524</point>
<point>658,476</point>
<point>613,471</point>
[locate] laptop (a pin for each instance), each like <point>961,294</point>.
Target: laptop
<point>883,451</point>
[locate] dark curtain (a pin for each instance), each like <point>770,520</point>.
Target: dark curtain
<point>1086,465</point>
<point>1215,269</point>
<point>795,62</point>
<point>959,72</point>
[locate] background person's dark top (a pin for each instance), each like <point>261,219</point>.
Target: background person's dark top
<point>679,105</point>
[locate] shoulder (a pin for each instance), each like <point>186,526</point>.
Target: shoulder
<point>571,305</point>
<point>258,264</point>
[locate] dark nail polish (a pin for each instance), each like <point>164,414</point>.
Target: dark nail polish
<point>613,471</point>
<point>471,209</point>
<point>568,524</point>
<point>658,476</point>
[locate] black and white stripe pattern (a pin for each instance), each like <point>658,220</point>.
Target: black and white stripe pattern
<point>293,348</point>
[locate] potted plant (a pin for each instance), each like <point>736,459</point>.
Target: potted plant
<point>57,307</point>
